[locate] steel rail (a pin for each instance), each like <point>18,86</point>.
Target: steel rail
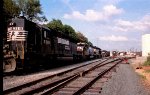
<point>50,85</point>
<point>57,84</point>
<point>14,89</point>
<point>51,91</point>
<point>60,85</point>
<point>99,65</point>
<point>84,88</point>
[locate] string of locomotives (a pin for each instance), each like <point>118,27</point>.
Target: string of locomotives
<point>30,44</point>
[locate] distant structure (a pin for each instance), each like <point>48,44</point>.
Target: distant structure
<point>145,44</point>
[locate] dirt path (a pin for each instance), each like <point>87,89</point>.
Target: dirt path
<point>142,71</point>
<point>145,74</point>
<point>124,82</point>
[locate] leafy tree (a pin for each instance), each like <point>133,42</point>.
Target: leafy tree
<point>31,9</point>
<point>11,9</point>
<point>69,31</point>
<point>56,25</point>
<point>81,37</point>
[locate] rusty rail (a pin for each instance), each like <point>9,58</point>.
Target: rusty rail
<point>14,89</point>
<point>81,90</point>
<point>61,85</point>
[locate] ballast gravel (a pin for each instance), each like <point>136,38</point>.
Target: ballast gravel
<point>124,82</point>
<point>13,81</point>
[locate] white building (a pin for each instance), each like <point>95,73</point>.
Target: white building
<point>145,44</point>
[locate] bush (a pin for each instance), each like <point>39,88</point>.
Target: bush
<point>148,58</point>
<point>147,63</point>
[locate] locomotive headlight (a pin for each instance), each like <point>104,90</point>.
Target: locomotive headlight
<point>79,48</point>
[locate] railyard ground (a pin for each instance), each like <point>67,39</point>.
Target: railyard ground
<point>141,70</point>
<point>128,80</point>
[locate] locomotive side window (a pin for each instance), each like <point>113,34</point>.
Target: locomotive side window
<point>44,34</point>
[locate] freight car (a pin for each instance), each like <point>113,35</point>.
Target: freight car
<point>31,44</point>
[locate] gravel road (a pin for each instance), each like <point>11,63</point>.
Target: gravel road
<point>124,82</point>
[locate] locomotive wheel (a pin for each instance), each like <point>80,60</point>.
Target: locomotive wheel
<point>9,65</point>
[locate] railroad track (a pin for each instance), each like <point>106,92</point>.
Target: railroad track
<point>82,85</point>
<point>50,84</point>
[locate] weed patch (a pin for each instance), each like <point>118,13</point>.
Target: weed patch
<point>147,71</point>
<point>142,76</point>
<point>147,63</point>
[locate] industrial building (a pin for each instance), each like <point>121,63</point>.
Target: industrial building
<point>145,44</point>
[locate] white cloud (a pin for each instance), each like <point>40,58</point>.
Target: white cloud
<point>113,38</point>
<point>111,10</point>
<point>124,23</point>
<point>142,25</point>
<point>93,15</point>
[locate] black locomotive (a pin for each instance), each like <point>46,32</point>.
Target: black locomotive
<point>30,44</point>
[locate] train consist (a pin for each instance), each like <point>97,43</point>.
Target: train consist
<point>30,44</point>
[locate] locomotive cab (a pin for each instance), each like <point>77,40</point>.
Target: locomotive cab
<point>97,52</point>
<point>16,39</point>
<point>33,45</point>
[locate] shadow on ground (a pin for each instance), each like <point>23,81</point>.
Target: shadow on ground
<point>35,69</point>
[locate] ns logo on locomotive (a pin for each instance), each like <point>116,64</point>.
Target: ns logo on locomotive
<point>30,44</point>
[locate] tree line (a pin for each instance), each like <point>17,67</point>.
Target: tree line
<point>31,10</point>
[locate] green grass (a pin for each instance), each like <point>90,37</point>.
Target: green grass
<point>147,71</point>
<point>147,63</point>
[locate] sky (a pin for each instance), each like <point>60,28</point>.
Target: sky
<point>108,24</point>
